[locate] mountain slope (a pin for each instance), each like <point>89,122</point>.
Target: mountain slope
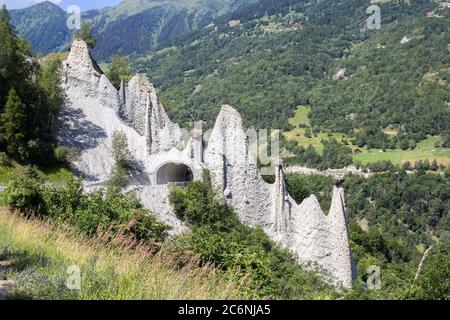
<point>285,53</point>
<point>130,28</point>
<point>400,78</point>
<point>135,26</point>
<point>44,25</point>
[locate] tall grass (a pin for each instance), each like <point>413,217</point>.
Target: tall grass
<point>112,270</point>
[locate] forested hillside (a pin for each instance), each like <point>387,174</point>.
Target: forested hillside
<point>130,28</point>
<point>44,26</point>
<point>391,83</point>
<point>271,57</point>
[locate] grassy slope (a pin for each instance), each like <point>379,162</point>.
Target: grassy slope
<point>53,174</point>
<point>298,134</point>
<point>425,149</point>
<point>41,253</point>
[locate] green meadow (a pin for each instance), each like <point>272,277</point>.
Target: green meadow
<point>298,134</point>
<point>425,149</point>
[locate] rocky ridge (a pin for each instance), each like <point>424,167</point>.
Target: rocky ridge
<point>95,110</point>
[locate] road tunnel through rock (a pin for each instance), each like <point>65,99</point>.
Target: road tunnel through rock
<point>174,173</point>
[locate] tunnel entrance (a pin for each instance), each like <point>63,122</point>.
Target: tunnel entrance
<point>173,173</point>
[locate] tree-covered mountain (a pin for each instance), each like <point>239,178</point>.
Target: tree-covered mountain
<point>400,78</point>
<point>268,58</point>
<point>44,26</point>
<point>130,28</point>
<point>383,89</point>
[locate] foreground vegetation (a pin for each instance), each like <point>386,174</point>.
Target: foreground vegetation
<point>220,238</point>
<point>41,252</point>
<point>31,194</point>
<point>390,227</point>
<point>242,254</point>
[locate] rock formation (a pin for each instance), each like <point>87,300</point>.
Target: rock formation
<point>162,155</point>
<point>140,108</point>
<point>303,228</point>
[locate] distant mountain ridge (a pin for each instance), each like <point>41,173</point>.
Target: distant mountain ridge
<point>44,25</point>
<point>130,28</point>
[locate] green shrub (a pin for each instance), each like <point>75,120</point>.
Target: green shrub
<point>120,214</point>
<point>93,213</point>
<point>197,205</point>
<point>61,202</point>
<point>65,155</point>
<point>219,237</point>
<point>146,227</point>
<point>119,173</point>
<point>24,193</point>
<point>29,193</point>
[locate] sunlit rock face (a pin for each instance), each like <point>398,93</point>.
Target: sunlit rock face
<point>303,228</point>
<point>162,155</point>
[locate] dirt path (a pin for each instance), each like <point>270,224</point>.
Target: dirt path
<point>5,285</point>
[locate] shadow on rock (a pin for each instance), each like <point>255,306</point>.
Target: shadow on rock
<point>76,131</point>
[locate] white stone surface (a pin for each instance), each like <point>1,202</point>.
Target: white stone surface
<point>155,199</point>
<point>91,116</point>
<point>303,228</point>
<point>95,110</point>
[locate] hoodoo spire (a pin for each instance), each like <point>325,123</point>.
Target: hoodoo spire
<point>341,256</point>
<point>96,110</point>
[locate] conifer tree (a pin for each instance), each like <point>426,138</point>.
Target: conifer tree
<point>12,121</point>
<point>16,64</point>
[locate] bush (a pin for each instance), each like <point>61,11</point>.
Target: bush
<point>24,193</point>
<point>198,206</point>
<point>62,202</point>
<point>219,237</point>
<point>30,194</point>
<point>146,227</point>
<point>119,173</point>
<point>120,214</point>
<point>65,155</point>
